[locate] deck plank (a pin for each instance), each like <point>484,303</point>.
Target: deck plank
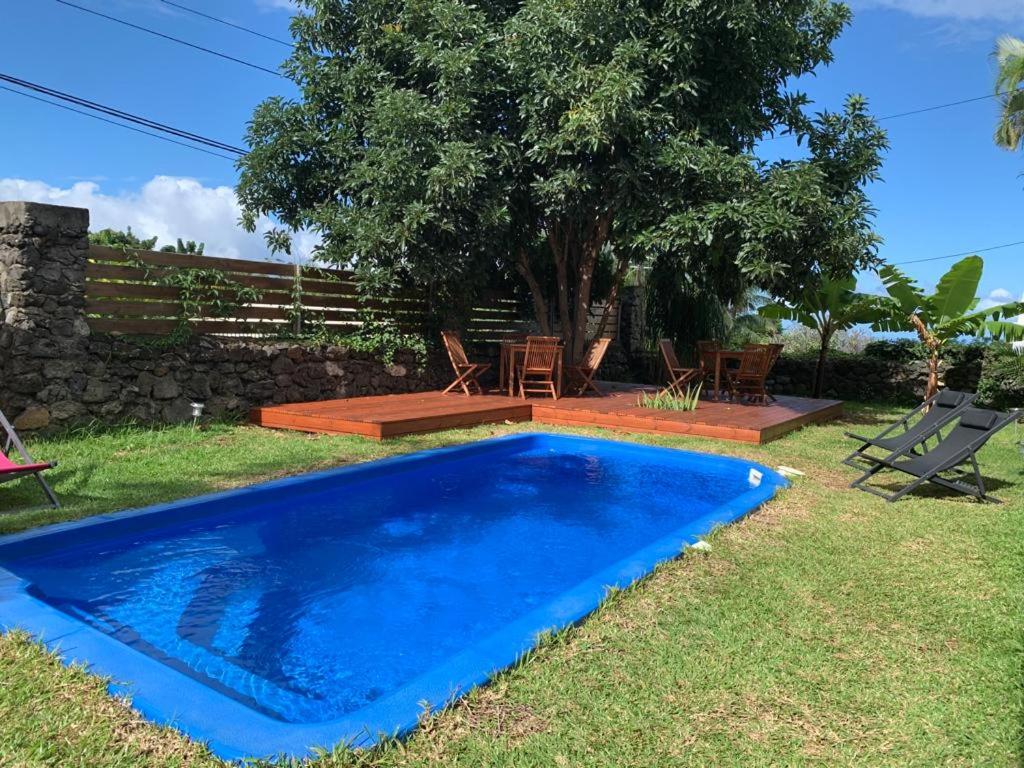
<point>384,416</point>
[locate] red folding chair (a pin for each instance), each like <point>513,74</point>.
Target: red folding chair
<point>10,470</point>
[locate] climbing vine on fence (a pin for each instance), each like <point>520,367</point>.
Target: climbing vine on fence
<point>202,292</point>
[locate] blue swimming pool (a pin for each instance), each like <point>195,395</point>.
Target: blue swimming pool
<point>327,607</point>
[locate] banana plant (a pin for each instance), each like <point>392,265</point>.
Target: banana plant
<point>947,314</point>
<point>828,306</point>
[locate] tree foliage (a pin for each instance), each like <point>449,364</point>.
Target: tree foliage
<point>126,239</point>
<point>116,238</point>
<point>452,145</point>
<point>184,246</point>
<point>779,228</point>
<point>947,314</point>
<point>1010,88</point>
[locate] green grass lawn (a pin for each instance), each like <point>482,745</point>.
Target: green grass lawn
<point>828,628</point>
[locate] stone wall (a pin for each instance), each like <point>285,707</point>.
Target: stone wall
<point>55,373</point>
<point>868,379</point>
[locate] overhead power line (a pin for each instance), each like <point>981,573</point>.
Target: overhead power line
<point>227,23</point>
<point>957,255</point>
<point>144,121</point>
<point>178,40</point>
<point>114,122</point>
<point>922,110</point>
<point>122,115</point>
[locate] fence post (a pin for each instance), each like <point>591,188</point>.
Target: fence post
<point>297,301</point>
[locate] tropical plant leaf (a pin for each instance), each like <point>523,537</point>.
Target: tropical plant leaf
<point>891,320</point>
<point>1006,311</point>
<point>781,312</point>
<point>907,294</point>
<point>957,289</point>
<point>1001,330</point>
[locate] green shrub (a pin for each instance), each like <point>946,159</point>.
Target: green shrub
<point>896,349</point>
<point>1002,378</point>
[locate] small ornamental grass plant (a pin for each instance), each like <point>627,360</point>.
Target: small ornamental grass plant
<point>671,399</point>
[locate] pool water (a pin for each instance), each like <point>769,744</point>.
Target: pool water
<point>321,602</point>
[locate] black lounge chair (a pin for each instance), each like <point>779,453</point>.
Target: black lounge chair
<point>958,448</point>
<point>937,410</point>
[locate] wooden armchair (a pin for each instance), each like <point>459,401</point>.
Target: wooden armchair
<point>678,376</point>
<point>748,379</point>
<point>539,371</point>
<point>467,374</point>
<point>581,377</point>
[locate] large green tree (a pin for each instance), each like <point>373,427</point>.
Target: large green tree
<point>440,142</point>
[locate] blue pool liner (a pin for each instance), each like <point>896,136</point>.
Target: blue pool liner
<point>235,731</point>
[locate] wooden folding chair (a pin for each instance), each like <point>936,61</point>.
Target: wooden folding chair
<point>9,470</point>
<point>581,377</point>
<point>748,380</point>
<point>506,360</point>
<point>539,370</point>
<point>467,374</point>
<point>678,376</point>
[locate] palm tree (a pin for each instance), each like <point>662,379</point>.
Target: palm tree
<point>1010,83</point>
<point>827,307</point>
<point>949,313</point>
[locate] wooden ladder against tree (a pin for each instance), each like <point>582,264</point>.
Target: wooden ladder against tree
<point>539,371</point>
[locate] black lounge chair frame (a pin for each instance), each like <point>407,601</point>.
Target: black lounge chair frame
<point>955,454</point>
<point>938,410</point>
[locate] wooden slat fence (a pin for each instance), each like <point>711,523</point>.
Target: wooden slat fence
<point>125,294</point>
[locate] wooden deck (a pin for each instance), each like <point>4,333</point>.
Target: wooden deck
<point>386,416</point>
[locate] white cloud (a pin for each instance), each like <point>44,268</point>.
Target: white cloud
<point>966,10</point>
<point>168,207</point>
<point>996,297</point>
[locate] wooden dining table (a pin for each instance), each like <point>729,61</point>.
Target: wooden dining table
<point>514,351</point>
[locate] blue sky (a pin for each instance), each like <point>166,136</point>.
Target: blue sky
<point>946,187</point>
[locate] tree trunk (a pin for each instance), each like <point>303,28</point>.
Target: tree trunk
<point>540,305</point>
<point>934,347</point>
<point>933,375</point>
<point>575,250</point>
<point>819,370</point>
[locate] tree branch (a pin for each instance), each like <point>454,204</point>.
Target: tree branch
<point>540,305</point>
